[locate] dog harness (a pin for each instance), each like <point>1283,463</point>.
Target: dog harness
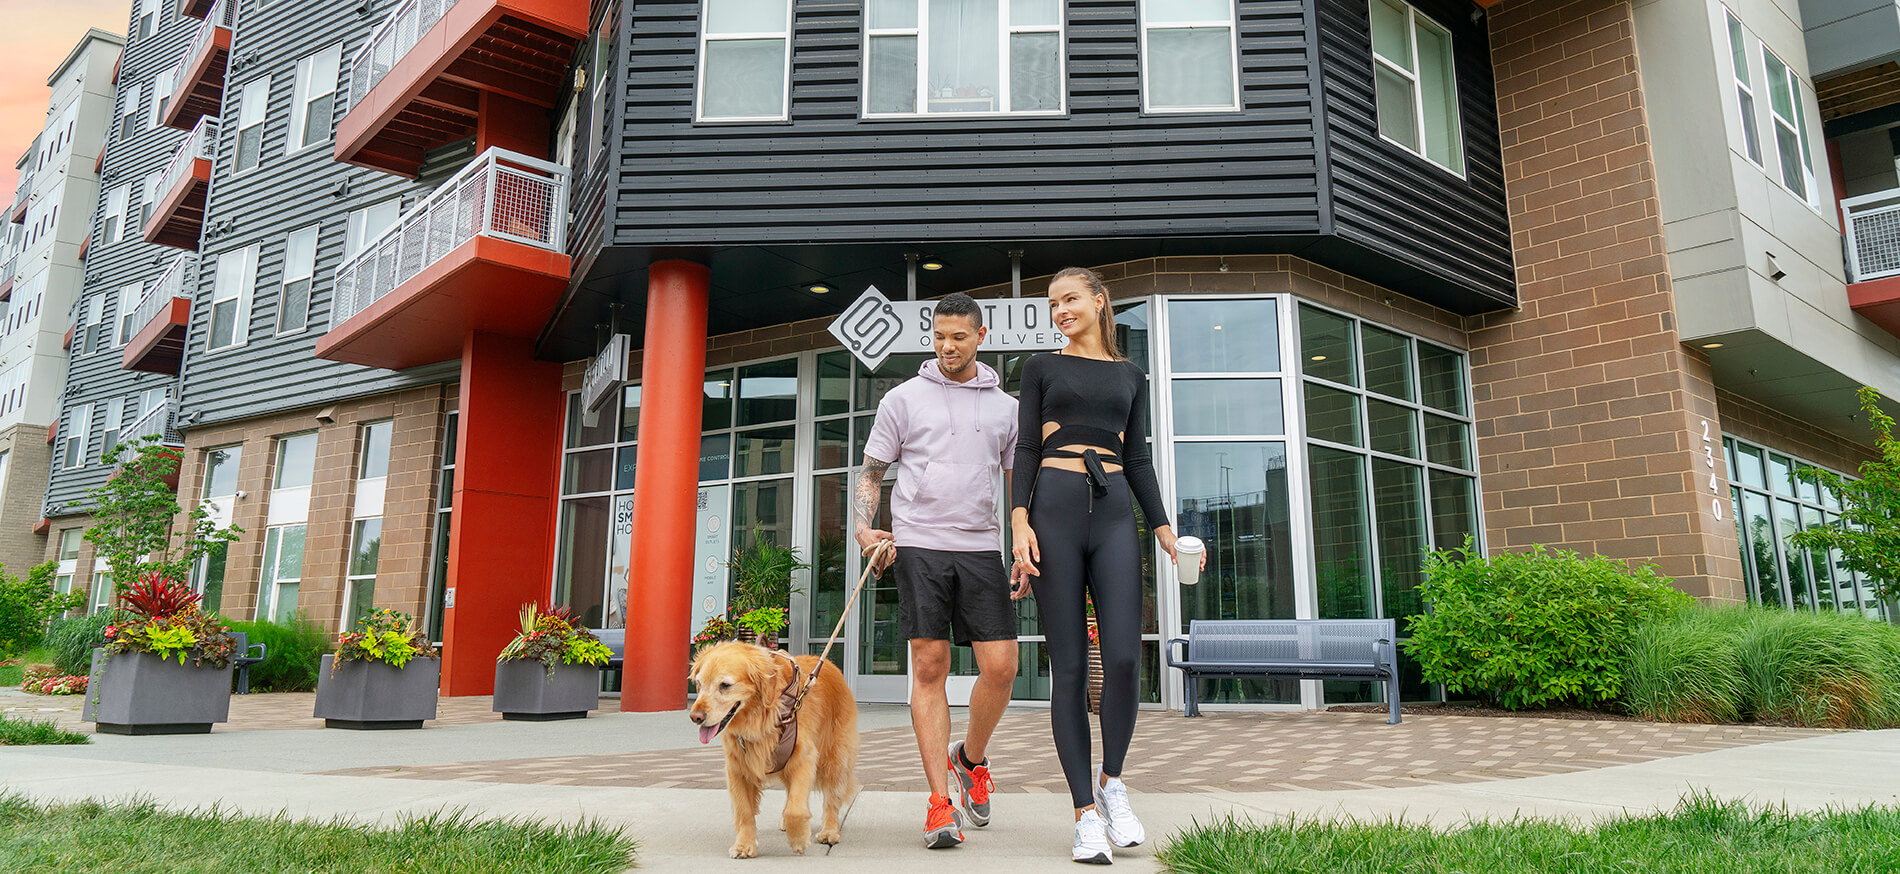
<point>789,702</point>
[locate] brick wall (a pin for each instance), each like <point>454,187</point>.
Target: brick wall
<point>23,496</point>
<point>1590,410</point>
<point>1758,424</point>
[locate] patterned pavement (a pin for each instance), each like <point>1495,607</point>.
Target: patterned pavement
<point>263,711</point>
<point>1236,752</point>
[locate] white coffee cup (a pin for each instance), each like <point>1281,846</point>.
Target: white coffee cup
<point>1187,559</point>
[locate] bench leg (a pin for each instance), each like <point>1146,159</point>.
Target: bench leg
<point>1193,695</point>
<point>1392,700</point>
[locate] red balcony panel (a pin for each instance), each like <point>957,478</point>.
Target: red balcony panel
<point>199,91</point>
<point>18,216</point>
<point>194,8</point>
<point>178,219</point>
<point>44,526</point>
<point>486,284</point>
<point>1878,300</point>
<point>159,346</point>
<point>6,289</point>
<point>67,343</point>
<point>52,433</point>
<point>433,92</point>
<point>85,246</point>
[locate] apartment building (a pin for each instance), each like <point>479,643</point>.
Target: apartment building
<point>469,304</point>
<point>45,262</point>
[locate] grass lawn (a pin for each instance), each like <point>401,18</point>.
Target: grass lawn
<point>12,675</point>
<point>139,837</point>
<point>1702,836</point>
<point>17,732</point>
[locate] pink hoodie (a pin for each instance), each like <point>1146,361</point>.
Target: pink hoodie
<point>949,441</point>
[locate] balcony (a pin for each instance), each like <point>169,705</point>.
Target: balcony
<point>434,65</point>
<point>17,214</point>
<point>161,319</point>
<point>157,423</point>
<point>178,219</point>
<point>6,277</point>
<point>200,88</point>
<point>194,8</point>
<point>484,252</point>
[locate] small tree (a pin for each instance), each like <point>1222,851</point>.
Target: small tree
<point>134,515</point>
<point>27,605</point>
<point>1868,531</point>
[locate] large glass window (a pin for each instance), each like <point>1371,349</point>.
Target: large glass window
<point>281,577</point>
<point>931,57</point>
<point>313,97</point>
<point>300,266</point>
<point>744,64</point>
<point>1744,88</point>
<point>1188,56</point>
<point>1770,505</point>
<point>366,534</point>
<point>231,299</point>
<point>1415,85</point>
<point>219,494</point>
<point>1786,105</point>
<point>253,104</point>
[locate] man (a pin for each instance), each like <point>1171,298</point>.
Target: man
<point>950,430</point>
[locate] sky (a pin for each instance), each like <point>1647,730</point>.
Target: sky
<point>35,36</point>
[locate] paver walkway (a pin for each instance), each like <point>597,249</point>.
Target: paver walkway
<point>1219,752</point>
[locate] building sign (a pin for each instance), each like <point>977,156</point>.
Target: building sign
<point>619,557</point>
<point>710,551</point>
<point>605,374</point>
<point>874,328</point>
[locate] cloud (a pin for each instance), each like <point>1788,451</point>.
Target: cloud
<point>36,37</point>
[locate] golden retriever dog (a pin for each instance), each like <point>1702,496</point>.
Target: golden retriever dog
<point>739,686</point>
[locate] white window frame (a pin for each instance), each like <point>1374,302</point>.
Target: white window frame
<point>129,111</point>
<point>129,296</point>
<point>114,423</point>
<point>310,76</point>
<point>67,568</point>
<point>164,88</point>
<point>699,89</point>
<point>294,272</point>
<point>149,16</point>
<point>152,181</point>
<point>357,232</point>
<point>1232,23</point>
<point>1798,125</point>
<point>369,505</point>
<point>244,277</point>
<point>253,111</point>
<point>921,33</point>
<point>78,427</point>
<point>1413,19</point>
<point>1746,100</point>
<point>95,317</point>
<point>116,199</point>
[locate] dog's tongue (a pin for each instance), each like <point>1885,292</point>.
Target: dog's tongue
<point>707,733</point>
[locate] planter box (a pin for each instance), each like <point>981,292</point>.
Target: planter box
<point>373,695</point>
<point>523,690</point>
<point>139,693</point>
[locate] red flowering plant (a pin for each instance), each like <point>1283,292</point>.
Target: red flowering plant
<point>161,616</point>
<point>552,638</point>
<point>47,680</point>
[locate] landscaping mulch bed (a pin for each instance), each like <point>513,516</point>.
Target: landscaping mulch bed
<point>1466,708</point>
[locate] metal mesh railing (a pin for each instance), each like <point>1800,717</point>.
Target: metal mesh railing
<point>202,144</point>
<point>173,283</point>
<point>157,422</point>
<point>501,194</point>
<point>393,38</point>
<point>223,15</point>
<point>1873,235</point>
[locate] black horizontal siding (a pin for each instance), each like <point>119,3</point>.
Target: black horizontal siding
<point>1104,169</point>
<point>1394,202</point>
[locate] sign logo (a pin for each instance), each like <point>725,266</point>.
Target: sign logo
<point>874,328</point>
<point>869,327</point>
<point>607,372</point>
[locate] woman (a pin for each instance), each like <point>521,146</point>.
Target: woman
<point>1081,462</point>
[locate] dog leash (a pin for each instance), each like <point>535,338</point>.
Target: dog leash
<point>871,557</point>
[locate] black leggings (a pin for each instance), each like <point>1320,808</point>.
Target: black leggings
<point>1088,543</point>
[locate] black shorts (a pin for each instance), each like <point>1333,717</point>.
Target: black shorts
<point>962,597</point>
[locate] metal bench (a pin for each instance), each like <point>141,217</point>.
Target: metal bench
<point>616,641</point>
<point>1291,649</point>
<point>242,659</point>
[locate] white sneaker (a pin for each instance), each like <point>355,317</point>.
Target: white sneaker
<point>1091,840</point>
<point>1124,830</point>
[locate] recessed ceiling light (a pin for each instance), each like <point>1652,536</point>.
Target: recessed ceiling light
<point>1216,327</point>
<point>931,264</point>
<point>1711,345</point>
<point>818,289</point>
<point>1319,358</point>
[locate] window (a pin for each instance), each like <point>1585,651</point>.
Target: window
<point>152,181</point>
<point>129,112</point>
<point>95,320</point>
<point>963,56</point>
<point>163,85</point>
<point>129,298</point>
<point>78,429</point>
<point>744,60</point>
<point>5,456</point>
<point>148,18</point>
<point>288,515</point>
<point>313,98</point>
<point>231,299</point>
<point>1188,52</point>
<point>1744,89</point>
<point>1770,505</point>
<point>367,224</point>
<point>114,229</point>
<point>219,494</point>
<point>444,516</point>
<point>68,567</point>
<point>115,420</point>
<point>253,103</point>
<point>300,264</point>
<point>1791,127</point>
<point>372,476</point>
<point>1416,89</point>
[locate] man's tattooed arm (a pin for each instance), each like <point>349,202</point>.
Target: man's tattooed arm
<point>870,491</point>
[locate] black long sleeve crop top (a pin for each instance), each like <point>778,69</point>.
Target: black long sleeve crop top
<point>1093,403</point>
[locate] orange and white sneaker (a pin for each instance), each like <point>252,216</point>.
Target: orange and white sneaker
<point>942,826</point>
<point>973,785</point>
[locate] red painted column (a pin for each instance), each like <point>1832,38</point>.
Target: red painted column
<point>666,487</point>
<point>507,488</point>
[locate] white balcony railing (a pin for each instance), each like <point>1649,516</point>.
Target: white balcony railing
<point>393,38</point>
<point>6,269</point>
<point>1873,235</point>
<point>202,144</point>
<point>157,422</point>
<point>171,284</point>
<point>223,15</point>
<point>500,194</point>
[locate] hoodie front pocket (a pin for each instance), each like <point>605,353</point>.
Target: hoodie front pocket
<point>957,496</point>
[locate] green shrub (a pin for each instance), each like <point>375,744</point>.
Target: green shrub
<point>26,606</point>
<point>73,640</point>
<point>1536,628</point>
<point>294,653</point>
<point>1817,669</point>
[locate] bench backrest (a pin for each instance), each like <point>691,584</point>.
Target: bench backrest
<point>615,639</point>
<point>1251,641</point>
<point>240,644</point>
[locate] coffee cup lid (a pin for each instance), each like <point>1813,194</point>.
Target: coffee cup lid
<point>1189,543</point>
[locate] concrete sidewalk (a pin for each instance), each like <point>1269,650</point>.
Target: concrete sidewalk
<point>680,827</point>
